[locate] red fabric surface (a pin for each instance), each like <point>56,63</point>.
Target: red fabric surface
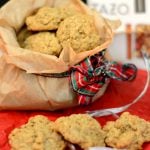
<point>117,94</point>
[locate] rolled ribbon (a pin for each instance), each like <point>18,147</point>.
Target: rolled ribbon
<point>89,76</point>
<point>112,111</point>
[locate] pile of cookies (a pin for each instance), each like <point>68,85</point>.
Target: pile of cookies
<point>50,29</point>
<point>42,134</point>
<point>128,132</point>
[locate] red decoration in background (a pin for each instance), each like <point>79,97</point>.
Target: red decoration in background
<point>117,94</point>
<point>139,42</point>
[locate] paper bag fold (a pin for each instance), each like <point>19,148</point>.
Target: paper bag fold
<point>21,86</point>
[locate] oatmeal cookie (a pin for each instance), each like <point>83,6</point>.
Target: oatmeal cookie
<point>128,132</point>
<point>37,134</point>
<point>22,35</point>
<point>79,32</point>
<point>44,42</point>
<point>47,18</point>
<point>81,129</point>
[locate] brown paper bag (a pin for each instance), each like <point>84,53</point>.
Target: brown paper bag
<point>20,86</point>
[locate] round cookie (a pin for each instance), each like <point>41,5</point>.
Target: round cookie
<point>128,132</point>
<point>43,42</point>
<point>81,129</point>
<point>47,18</point>
<point>37,134</point>
<point>79,32</point>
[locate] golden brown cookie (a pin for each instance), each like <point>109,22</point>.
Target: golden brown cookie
<point>67,12</point>
<point>79,32</point>
<point>22,35</point>
<point>81,129</point>
<point>43,42</point>
<point>128,132</point>
<point>47,18</point>
<point>37,134</point>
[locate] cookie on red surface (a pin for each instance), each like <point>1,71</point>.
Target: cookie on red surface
<point>129,132</point>
<point>37,134</point>
<point>81,129</point>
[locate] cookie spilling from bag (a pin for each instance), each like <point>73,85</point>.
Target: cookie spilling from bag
<point>50,29</point>
<point>37,134</point>
<point>127,132</point>
<point>43,134</point>
<point>81,129</point>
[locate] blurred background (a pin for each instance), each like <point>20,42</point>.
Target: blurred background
<point>134,33</point>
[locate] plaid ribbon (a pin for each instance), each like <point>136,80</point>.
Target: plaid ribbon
<point>88,77</point>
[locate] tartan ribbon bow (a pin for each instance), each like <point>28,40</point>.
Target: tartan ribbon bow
<point>88,77</point>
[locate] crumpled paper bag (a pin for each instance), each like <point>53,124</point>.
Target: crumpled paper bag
<point>21,85</point>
